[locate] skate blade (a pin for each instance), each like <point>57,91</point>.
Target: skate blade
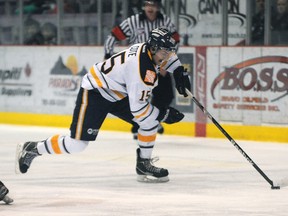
<point>18,153</point>
<point>151,179</point>
<point>7,200</point>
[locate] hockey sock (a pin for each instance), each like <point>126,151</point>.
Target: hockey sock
<point>59,144</point>
<point>146,141</point>
<point>146,152</point>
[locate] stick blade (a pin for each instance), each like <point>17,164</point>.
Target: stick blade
<point>283,182</point>
<point>279,184</point>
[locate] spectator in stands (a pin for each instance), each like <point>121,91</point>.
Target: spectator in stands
<point>280,23</point>
<point>49,32</point>
<point>38,7</point>
<point>136,29</point>
<point>257,31</point>
<point>258,23</point>
<point>106,6</point>
<point>135,7</point>
<point>32,32</point>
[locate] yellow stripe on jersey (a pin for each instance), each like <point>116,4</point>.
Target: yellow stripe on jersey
<point>82,114</point>
<point>96,78</point>
<point>149,54</point>
<point>142,114</point>
<point>150,138</point>
<point>121,96</point>
<point>55,144</point>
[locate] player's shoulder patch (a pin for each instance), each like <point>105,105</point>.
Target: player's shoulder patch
<point>150,76</point>
<point>147,70</point>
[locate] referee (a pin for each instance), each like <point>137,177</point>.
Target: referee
<point>136,29</point>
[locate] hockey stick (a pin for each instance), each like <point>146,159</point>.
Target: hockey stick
<point>273,186</point>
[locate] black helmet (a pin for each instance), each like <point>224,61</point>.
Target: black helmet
<point>161,38</point>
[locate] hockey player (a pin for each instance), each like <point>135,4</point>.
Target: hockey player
<point>136,29</point>
<point>4,194</point>
<point>121,85</point>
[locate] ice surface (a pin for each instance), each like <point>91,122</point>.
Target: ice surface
<point>207,177</point>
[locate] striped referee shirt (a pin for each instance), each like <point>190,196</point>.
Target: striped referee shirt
<point>136,29</point>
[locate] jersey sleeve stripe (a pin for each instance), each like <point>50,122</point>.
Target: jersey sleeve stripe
<point>109,44</point>
<point>90,82</point>
<point>141,108</point>
<point>149,114</point>
<point>119,95</point>
<point>96,78</point>
<point>143,113</point>
<point>171,64</point>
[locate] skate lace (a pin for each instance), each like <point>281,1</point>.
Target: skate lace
<point>154,159</point>
<point>149,164</point>
<point>29,156</point>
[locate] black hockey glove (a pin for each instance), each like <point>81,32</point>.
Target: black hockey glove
<point>170,116</point>
<point>181,80</point>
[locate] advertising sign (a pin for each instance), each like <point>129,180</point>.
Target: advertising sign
<point>249,85</point>
<point>200,22</point>
<point>242,85</point>
<point>43,79</point>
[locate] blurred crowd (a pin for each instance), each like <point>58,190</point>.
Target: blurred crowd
<point>38,32</point>
<point>278,23</point>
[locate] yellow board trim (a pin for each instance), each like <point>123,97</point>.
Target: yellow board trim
<point>248,132</point>
<point>241,132</point>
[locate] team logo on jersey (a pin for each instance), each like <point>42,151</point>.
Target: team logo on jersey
<point>92,131</point>
<point>150,76</point>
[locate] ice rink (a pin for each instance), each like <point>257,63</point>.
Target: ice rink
<point>207,177</point>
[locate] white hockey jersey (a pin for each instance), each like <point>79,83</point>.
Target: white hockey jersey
<point>129,73</point>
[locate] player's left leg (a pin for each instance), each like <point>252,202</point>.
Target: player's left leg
<point>90,111</point>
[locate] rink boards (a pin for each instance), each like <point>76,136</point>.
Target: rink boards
<point>244,88</point>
